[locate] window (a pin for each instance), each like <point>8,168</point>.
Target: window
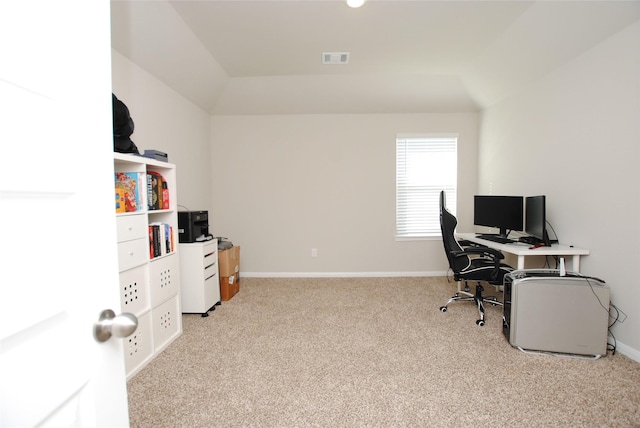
<point>425,165</point>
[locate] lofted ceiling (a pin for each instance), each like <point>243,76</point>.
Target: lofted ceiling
<point>414,56</point>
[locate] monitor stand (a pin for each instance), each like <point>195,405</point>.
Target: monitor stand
<point>502,234</point>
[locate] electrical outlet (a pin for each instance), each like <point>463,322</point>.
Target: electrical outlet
<point>314,252</point>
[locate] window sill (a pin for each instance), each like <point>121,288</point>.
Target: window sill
<point>419,238</point>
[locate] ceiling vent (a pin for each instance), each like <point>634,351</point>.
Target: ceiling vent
<point>335,57</point>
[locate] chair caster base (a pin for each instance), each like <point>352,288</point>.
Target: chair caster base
<point>480,322</point>
<point>443,309</point>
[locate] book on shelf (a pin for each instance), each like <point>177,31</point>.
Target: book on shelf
<point>167,238</point>
<point>120,207</point>
<point>157,191</point>
<point>173,239</point>
<point>127,192</point>
<point>161,239</point>
<point>155,241</point>
<point>165,195</point>
<point>152,244</point>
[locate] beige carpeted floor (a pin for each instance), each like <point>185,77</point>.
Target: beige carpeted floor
<point>369,352</point>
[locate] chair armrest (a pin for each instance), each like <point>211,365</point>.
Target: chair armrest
<point>493,256</point>
<point>483,251</point>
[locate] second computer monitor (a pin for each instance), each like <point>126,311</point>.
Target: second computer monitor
<point>506,213</point>
<point>536,221</point>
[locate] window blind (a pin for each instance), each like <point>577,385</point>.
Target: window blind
<point>425,165</point>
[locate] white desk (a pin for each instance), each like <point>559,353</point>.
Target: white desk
<point>522,250</point>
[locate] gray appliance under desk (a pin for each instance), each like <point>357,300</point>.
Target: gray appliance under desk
<point>546,312</point>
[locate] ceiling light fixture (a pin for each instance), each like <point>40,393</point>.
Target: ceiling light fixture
<point>355,3</point>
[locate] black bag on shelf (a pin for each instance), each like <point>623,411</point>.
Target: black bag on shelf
<point>122,128</point>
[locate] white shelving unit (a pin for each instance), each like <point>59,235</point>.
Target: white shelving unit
<point>149,287</point>
<point>200,281</point>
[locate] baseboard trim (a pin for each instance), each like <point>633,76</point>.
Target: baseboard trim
<point>338,274</point>
<point>628,351</point>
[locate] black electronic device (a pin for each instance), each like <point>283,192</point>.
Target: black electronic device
<point>529,240</point>
<point>536,219</point>
<point>496,238</point>
<point>156,154</point>
<point>193,226</point>
<point>506,213</point>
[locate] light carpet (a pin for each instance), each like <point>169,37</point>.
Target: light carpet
<point>369,352</point>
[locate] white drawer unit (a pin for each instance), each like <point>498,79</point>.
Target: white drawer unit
<point>199,280</point>
<point>133,246</point>
<point>131,227</point>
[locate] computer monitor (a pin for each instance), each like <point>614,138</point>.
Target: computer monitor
<point>536,218</point>
<point>502,212</point>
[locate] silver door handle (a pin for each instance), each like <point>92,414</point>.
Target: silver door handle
<point>109,325</point>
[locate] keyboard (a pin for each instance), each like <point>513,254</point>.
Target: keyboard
<point>497,238</point>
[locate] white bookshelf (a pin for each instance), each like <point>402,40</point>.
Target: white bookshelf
<point>149,286</point>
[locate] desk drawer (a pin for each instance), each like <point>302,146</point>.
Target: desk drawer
<point>210,249</point>
<point>212,290</point>
<point>210,265</point>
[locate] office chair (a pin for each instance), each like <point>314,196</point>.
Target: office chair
<point>471,263</point>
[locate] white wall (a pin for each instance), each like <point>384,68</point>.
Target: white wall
<point>279,185</point>
<point>285,184</point>
<point>166,121</point>
<point>575,136</point>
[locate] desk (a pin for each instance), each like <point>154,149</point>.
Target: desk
<point>522,250</point>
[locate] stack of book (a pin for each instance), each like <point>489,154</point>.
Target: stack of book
<point>161,239</point>
<point>129,196</point>
<point>157,192</point>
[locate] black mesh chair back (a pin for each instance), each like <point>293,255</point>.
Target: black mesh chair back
<point>448,223</point>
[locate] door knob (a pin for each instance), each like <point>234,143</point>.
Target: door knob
<point>109,325</point>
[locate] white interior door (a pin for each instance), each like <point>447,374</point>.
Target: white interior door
<point>58,240</point>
